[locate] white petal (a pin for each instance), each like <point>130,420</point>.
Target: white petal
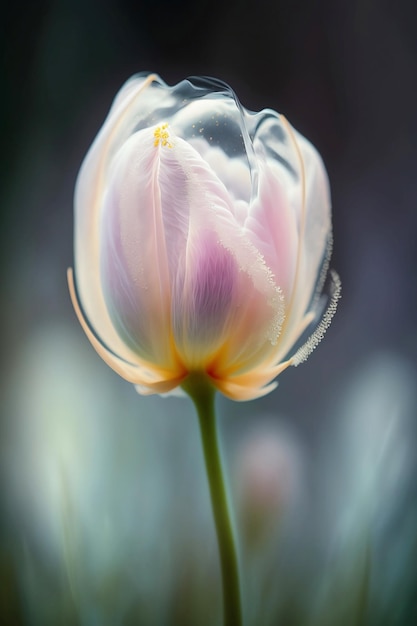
<point>314,238</point>
<point>88,206</point>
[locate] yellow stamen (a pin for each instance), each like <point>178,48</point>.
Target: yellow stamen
<point>161,136</point>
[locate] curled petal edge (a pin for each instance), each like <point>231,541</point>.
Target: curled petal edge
<point>313,341</point>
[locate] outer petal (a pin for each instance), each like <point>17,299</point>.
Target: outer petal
<point>241,393</point>
<point>300,218</point>
<point>314,240</point>
<point>138,93</point>
<point>154,379</point>
<point>251,385</point>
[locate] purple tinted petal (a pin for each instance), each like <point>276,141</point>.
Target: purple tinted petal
<point>204,296</point>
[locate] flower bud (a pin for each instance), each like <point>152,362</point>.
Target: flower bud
<point>202,239</point>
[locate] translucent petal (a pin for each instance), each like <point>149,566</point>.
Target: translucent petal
<point>145,375</point>
<point>134,261</point>
<point>89,193</point>
<point>272,226</point>
<point>314,238</point>
<point>256,382</point>
<point>241,393</point>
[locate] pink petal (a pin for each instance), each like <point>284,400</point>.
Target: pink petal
<point>134,263</point>
<point>223,289</point>
<point>272,225</point>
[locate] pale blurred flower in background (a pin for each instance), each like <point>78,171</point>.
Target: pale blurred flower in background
<point>268,479</point>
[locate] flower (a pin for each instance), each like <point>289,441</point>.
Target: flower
<point>268,471</point>
<point>202,239</point>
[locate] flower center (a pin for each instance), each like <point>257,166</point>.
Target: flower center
<point>161,136</point>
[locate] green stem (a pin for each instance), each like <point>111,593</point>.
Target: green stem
<point>202,394</point>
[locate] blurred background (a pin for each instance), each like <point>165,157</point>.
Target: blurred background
<point>104,511</point>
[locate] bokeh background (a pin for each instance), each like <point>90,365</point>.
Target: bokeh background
<point>104,514</point>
